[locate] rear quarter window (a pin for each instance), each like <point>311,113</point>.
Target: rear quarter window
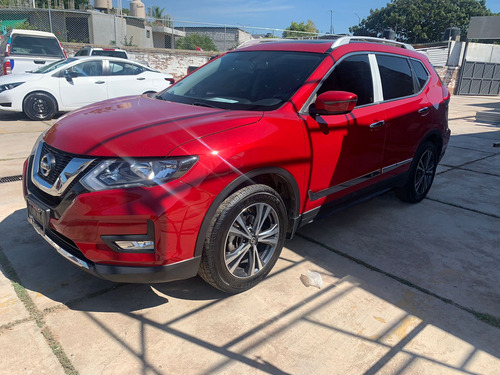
<point>28,45</point>
<point>420,72</point>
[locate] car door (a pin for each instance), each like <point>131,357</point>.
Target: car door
<point>125,78</point>
<point>83,84</point>
<point>347,149</point>
<point>407,109</point>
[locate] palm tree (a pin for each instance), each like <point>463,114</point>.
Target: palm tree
<point>157,12</point>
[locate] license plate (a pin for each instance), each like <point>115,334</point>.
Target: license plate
<point>38,216</point>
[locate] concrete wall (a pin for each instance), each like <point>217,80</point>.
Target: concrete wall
<point>483,53</point>
<point>175,62</point>
<point>104,29</point>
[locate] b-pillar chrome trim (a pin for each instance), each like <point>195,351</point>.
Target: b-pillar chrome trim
<point>345,185</point>
<point>72,169</point>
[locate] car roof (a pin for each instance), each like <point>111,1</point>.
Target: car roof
<point>315,45</point>
<point>103,58</point>
<point>103,49</point>
<point>32,32</point>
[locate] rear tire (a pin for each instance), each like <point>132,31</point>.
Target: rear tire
<point>421,174</point>
<point>244,239</point>
<point>40,106</point>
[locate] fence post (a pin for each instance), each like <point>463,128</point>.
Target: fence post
<point>172,43</point>
<point>50,19</point>
<point>225,33</point>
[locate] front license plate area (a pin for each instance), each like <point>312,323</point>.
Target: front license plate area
<point>38,215</point>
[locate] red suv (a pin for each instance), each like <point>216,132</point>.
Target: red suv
<point>211,175</point>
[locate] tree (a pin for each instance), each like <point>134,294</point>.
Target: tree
<point>421,21</point>
<point>301,30</point>
<point>196,41</point>
<point>53,3</point>
<point>157,12</point>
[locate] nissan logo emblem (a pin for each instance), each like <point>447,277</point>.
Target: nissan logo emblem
<point>47,162</point>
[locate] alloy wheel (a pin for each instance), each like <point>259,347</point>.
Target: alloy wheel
<point>251,240</point>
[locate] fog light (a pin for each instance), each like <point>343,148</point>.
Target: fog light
<point>135,245</point>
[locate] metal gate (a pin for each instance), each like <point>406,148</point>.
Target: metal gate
<point>479,78</point>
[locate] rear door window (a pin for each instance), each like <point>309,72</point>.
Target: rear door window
<point>29,45</point>
<point>396,77</point>
<point>124,69</point>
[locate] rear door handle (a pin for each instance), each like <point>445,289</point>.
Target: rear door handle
<point>39,62</point>
<point>423,111</point>
<point>141,78</point>
<point>99,82</point>
<point>377,124</point>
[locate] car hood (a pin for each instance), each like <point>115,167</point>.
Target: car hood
<point>23,77</point>
<point>140,126</point>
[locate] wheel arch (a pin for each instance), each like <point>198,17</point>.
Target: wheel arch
<point>41,92</point>
<point>276,178</point>
<point>435,137</point>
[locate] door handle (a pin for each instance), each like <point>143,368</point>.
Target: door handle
<point>141,78</point>
<point>377,124</point>
<point>39,62</point>
<point>99,82</point>
<point>423,111</point>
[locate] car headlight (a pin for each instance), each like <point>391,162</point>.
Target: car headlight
<point>126,173</point>
<point>9,86</point>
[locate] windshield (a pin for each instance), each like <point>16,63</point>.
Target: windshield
<point>31,45</point>
<point>252,80</point>
<point>53,66</point>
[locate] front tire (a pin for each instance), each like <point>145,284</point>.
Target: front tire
<point>421,174</point>
<point>40,106</point>
<point>244,240</point>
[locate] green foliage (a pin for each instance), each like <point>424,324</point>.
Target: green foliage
<point>194,40</point>
<point>421,21</point>
<point>45,3</point>
<point>157,12</point>
<point>301,30</point>
<point>24,26</point>
<point>129,42</point>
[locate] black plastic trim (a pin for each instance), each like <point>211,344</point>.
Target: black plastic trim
<point>149,236</point>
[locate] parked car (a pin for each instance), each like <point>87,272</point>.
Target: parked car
<point>25,50</point>
<point>96,51</point>
<point>73,83</point>
<point>213,174</point>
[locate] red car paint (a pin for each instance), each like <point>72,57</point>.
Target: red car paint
<point>312,153</point>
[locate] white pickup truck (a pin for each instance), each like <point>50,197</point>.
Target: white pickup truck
<point>26,50</point>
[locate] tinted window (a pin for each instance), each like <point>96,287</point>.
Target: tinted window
<point>420,72</point>
<point>109,53</point>
<point>395,73</point>
<point>352,74</point>
<point>35,46</point>
<point>87,69</point>
<point>124,69</point>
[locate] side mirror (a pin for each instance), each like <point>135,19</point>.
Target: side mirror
<point>334,103</point>
<point>68,74</point>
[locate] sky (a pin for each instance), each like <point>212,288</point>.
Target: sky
<point>277,14</point>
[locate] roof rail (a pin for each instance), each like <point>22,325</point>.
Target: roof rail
<point>253,42</point>
<point>348,39</point>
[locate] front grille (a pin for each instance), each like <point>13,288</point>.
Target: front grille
<point>62,159</point>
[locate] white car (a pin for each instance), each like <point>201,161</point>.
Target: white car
<point>69,84</point>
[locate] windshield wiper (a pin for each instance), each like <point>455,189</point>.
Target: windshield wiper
<point>202,104</point>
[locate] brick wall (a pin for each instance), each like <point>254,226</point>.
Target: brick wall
<point>164,60</point>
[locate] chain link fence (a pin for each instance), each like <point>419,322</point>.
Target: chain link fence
<point>88,26</point>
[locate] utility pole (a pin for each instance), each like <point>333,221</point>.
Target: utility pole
<point>331,21</point>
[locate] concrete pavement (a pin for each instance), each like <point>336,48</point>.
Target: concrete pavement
<point>407,288</point>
